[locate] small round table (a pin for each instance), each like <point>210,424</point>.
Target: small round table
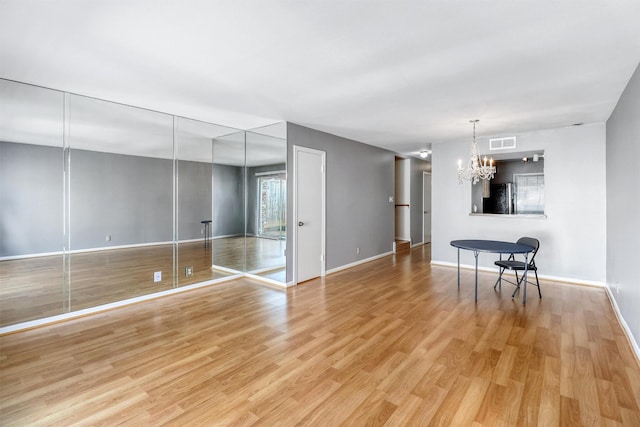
<point>496,247</point>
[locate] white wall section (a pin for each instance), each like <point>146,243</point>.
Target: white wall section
<point>572,235</point>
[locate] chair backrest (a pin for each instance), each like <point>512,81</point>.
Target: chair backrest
<point>530,241</point>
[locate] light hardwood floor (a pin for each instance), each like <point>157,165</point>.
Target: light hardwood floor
<point>391,342</point>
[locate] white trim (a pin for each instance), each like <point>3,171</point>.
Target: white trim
<point>362,261</point>
<point>225,269</point>
<point>569,280</point>
<point>279,172</point>
<point>625,328</point>
<point>108,248</point>
<point>418,244</point>
<point>266,269</point>
<point>323,156</point>
<point>423,208</point>
<point>266,280</point>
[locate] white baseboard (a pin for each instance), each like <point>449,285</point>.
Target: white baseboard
<point>570,280</point>
<point>362,261</point>
<point>266,280</point>
<point>108,248</point>
<point>625,328</point>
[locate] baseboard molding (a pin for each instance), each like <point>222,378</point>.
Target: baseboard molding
<point>362,261</point>
<point>108,248</point>
<point>625,328</point>
<point>266,281</point>
<point>569,280</point>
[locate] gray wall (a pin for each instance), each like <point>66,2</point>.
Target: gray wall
<point>416,169</point>
<point>126,197</point>
<point>360,179</point>
<point>623,204</point>
<point>194,198</point>
<point>573,233</point>
<point>228,200</point>
<point>30,224</point>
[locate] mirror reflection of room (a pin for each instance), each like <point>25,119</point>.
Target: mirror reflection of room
<point>103,202</point>
<point>266,202</point>
<point>516,189</point>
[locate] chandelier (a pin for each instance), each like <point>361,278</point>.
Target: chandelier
<point>476,169</point>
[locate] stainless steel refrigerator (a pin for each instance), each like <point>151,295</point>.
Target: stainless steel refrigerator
<point>500,200</point>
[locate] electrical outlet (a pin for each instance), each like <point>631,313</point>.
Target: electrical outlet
<point>107,238</point>
<point>202,231</point>
<point>357,251</point>
<point>188,271</point>
<point>390,199</point>
<point>157,276</point>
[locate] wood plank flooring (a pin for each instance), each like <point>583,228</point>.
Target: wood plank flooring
<point>391,342</point>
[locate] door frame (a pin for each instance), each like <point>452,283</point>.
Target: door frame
<point>423,175</point>
<point>323,257</point>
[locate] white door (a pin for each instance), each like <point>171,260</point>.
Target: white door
<point>309,209</point>
<point>426,207</point>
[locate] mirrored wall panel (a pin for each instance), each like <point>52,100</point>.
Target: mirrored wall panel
<point>228,202</point>
<point>102,202</point>
<point>31,203</point>
<point>120,204</point>
<point>205,203</point>
<point>266,185</point>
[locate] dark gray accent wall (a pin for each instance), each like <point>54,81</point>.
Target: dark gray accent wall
<point>623,204</point>
<point>194,198</point>
<point>252,194</point>
<point>415,205</point>
<point>359,181</point>
<point>31,181</point>
<point>228,200</point>
<point>129,198</point>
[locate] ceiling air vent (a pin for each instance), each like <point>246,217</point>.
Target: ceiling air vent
<point>502,143</point>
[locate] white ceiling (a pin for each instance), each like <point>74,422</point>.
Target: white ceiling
<point>396,74</point>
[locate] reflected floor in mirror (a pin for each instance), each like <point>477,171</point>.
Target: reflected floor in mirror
<point>264,257</point>
<point>32,288</point>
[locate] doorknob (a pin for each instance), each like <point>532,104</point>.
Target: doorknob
<point>300,223</point>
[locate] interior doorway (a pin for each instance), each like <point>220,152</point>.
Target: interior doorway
<point>426,207</point>
<point>402,205</point>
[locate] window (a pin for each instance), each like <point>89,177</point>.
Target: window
<point>529,193</point>
<point>272,205</point>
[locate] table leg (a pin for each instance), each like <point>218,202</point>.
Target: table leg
<point>458,269</point>
<point>526,266</point>
<point>475,253</point>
